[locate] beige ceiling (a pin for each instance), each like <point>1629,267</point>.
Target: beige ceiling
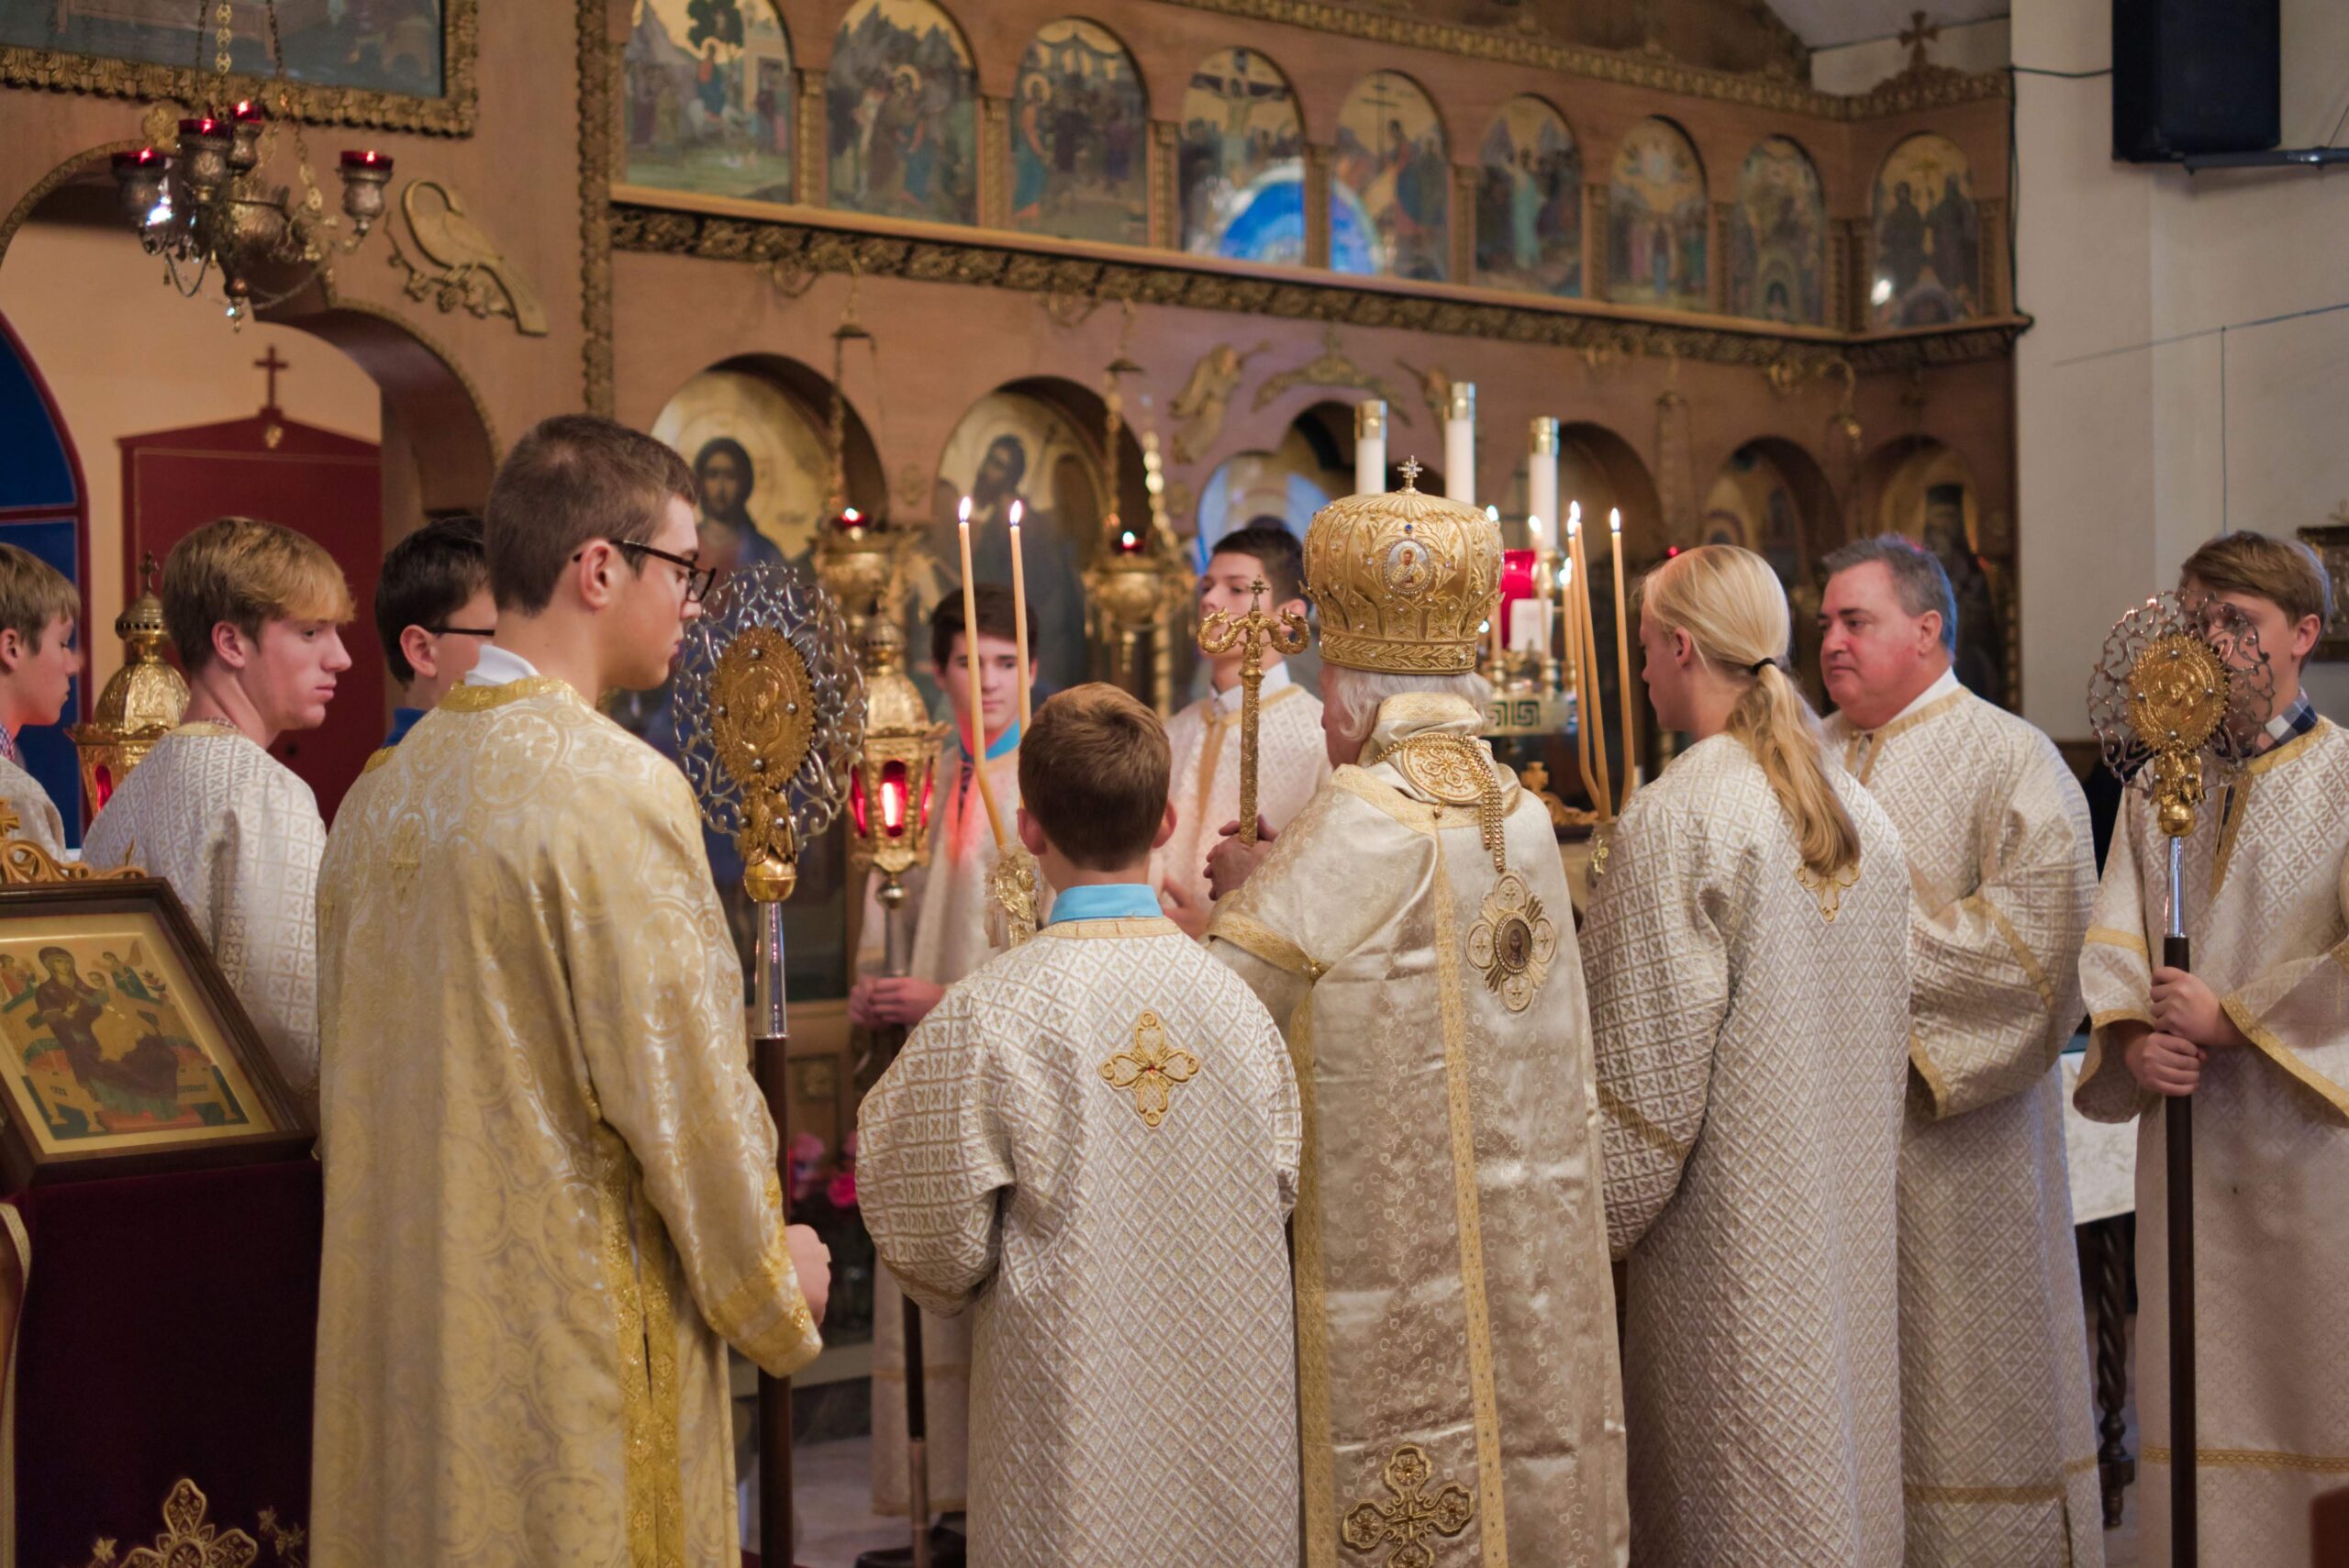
<point>1825,23</point>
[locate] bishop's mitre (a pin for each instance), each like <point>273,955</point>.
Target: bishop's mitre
<point>1403,581</point>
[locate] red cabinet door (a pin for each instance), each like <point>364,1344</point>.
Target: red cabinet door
<point>320,484</point>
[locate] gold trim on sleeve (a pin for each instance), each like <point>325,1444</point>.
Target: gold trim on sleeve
<point>2014,940</point>
<point>1635,1121</point>
<point>1251,935</point>
<point>2283,1055</point>
<point>791,1340</point>
<point>2127,941</point>
<point>2113,1016</point>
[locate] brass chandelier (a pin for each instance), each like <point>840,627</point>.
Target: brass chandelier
<point>208,203</point>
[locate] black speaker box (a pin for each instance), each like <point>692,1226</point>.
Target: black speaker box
<point>2192,76</point>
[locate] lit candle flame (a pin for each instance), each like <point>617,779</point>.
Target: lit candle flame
<point>962,513</point>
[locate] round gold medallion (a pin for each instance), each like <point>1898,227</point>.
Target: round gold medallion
<point>2178,692</point>
<point>1451,770</point>
<point>762,709</point>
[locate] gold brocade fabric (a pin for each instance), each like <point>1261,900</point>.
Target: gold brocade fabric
<point>37,817</point>
<point>1291,763</point>
<point>1452,1280</point>
<point>950,900</point>
<point>1998,1444</point>
<point>1752,1058</point>
<point>551,1182</point>
<point>238,836</point>
<point>2271,1142</point>
<point>1127,1274</point>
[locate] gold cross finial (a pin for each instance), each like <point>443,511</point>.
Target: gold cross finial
<point>1916,36</point>
<point>1252,634</point>
<point>1410,473</point>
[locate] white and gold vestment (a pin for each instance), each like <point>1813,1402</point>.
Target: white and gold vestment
<point>1204,738</point>
<point>37,817</point>
<point>2267,872</point>
<point>1751,1056</point>
<point>551,1197</point>
<point>1999,1449</point>
<point>1455,1333</point>
<point>951,902</point>
<point>238,836</point>
<point>1094,1138</point>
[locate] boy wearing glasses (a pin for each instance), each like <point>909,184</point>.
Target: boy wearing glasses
<point>434,614</point>
<point>551,1195</point>
<point>255,611</point>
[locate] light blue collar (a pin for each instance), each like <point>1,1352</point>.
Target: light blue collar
<point>1104,901</point>
<point>1003,742</point>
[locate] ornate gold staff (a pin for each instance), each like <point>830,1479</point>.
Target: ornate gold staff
<point>769,719</point>
<point>1252,634</point>
<point>2181,693</point>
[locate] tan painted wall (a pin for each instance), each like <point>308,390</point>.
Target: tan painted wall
<point>123,356</point>
<point>2127,461</point>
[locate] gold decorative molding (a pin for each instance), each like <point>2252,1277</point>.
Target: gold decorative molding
<point>451,113</point>
<point>1934,87</point>
<point>19,214</point>
<point>457,263</point>
<point>1330,367</point>
<point>598,163</point>
<point>1603,333</point>
<point>22,861</point>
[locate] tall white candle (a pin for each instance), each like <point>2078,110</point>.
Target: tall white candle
<point>1370,447</point>
<point>1541,485</point>
<point>1460,443</point>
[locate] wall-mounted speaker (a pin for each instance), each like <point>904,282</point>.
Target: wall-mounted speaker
<point>2193,76</point>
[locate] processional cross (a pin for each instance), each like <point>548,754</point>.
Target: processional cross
<point>1252,634</point>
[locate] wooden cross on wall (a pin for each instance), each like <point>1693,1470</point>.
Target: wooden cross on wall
<point>272,364</point>
<point>1916,36</point>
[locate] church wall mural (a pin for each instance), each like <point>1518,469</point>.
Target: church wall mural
<point>383,46</point>
<point>707,105</point>
<point>1928,237</point>
<point>901,115</point>
<point>1080,138</point>
<point>1240,161</point>
<point>1529,201</point>
<point>1657,220</point>
<point>758,459</point>
<point>1777,237</point>
<point>1390,182</point>
<point>1016,446</point>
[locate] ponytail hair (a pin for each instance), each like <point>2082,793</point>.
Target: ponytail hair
<point>1728,602</point>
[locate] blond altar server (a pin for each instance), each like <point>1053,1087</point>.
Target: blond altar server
<point>2259,1035</point>
<point>1293,760</point>
<point>1998,1445</point>
<point>1749,977</point>
<point>38,607</point>
<point>950,939</point>
<point>253,609</point>
<point>1410,932</point>
<point>552,1194</point>
<point>1094,1139</point>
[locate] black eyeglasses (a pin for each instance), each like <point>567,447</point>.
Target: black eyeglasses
<point>698,577</point>
<point>462,630</point>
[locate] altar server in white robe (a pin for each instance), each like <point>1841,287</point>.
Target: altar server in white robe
<point>1748,948</point>
<point>38,607</point>
<point>1292,761</point>
<point>1411,932</point>
<point>1094,1139</point>
<point>1998,1445</point>
<point>950,939</point>
<point>255,611</point>
<point>2258,1033</point>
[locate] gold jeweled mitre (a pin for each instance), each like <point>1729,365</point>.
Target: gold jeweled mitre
<point>1403,581</point>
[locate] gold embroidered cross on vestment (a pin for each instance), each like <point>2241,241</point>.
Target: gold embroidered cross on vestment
<point>1151,1070</point>
<point>1513,941</point>
<point>1410,1514</point>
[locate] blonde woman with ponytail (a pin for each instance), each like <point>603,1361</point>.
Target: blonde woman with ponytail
<point>1747,954</point>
